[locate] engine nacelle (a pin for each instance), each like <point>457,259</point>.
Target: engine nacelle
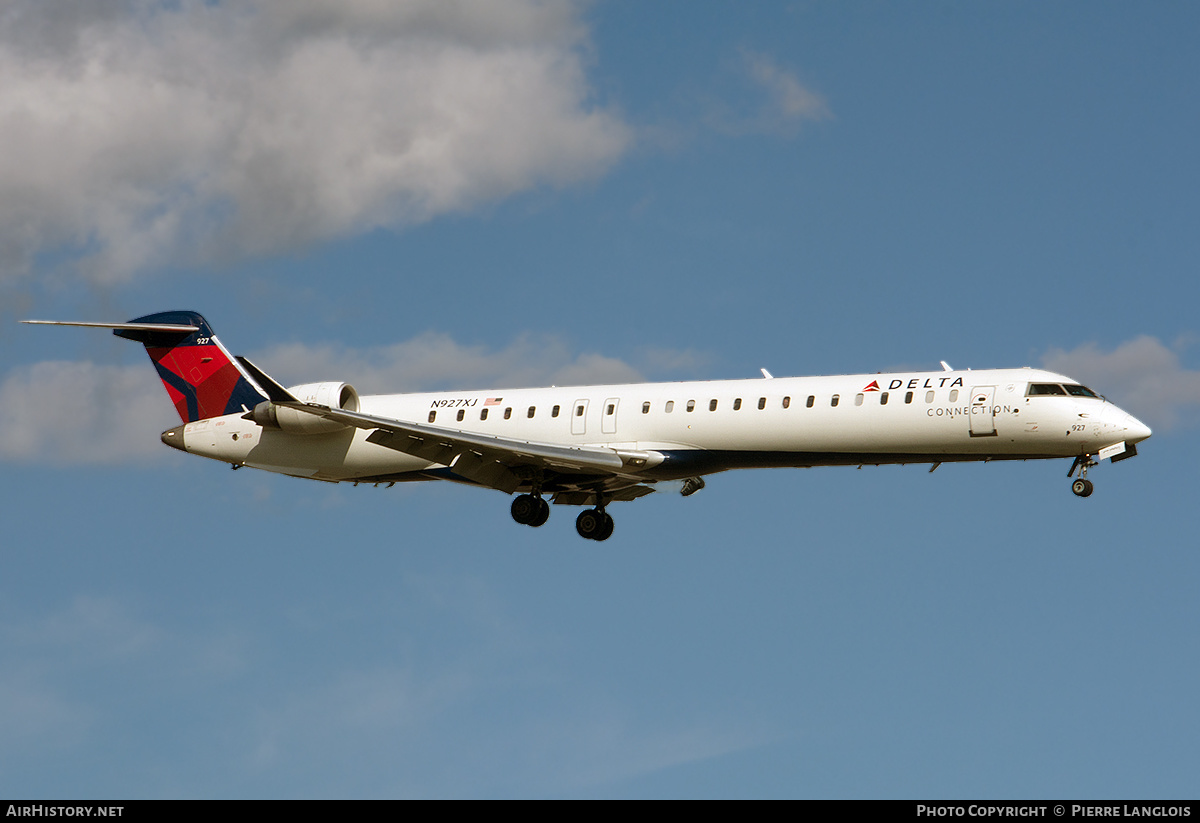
<point>333,395</point>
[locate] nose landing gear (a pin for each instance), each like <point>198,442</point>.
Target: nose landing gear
<point>1082,487</point>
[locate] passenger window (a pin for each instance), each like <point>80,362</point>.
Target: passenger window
<point>929,397</point>
<point>483,414</point>
<point>762,402</point>
<point>953,395</point>
<point>554,412</point>
<point>461,414</point>
<point>908,397</point>
<point>812,398</point>
<point>432,416</point>
<point>670,406</point>
<point>737,404</point>
<point>858,399</point>
<point>787,401</point>
<point>531,411</point>
<point>834,400</point>
<point>691,406</point>
<point>611,408</point>
<point>579,411</point>
<point>883,399</point>
<point>646,407</point>
<point>712,405</point>
<point>508,413</point>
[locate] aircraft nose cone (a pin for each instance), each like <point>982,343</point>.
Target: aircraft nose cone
<point>1136,430</point>
<point>174,438</point>
<point>1122,425</point>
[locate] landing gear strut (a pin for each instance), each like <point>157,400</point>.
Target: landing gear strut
<point>530,510</point>
<point>1082,487</point>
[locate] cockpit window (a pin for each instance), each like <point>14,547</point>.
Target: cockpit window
<point>1072,389</point>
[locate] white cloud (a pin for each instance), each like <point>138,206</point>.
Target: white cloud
<point>138,132</point>
<point>79,412</point>
<point>1143,376</point>
<point>434,361</point>
<point>788,99</point>
<point>775,102</point>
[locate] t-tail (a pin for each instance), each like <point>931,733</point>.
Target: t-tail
<point>201,377</point>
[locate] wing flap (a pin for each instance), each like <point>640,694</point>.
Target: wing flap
<point>490,473</point>
<point>580,497</point>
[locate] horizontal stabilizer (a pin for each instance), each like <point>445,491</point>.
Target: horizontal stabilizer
<point>163,327</point>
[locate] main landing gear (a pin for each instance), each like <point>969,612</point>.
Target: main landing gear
<point>530,510</point>
<point>1082,487</point>
<point>594,524</point>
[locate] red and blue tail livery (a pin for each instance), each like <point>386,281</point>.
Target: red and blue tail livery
<point>201,377</point>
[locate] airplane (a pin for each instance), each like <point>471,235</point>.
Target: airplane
<point>596,445</point>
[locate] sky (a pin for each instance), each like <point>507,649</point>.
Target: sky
<point>464,195</point>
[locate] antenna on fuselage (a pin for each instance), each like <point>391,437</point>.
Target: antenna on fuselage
<point>767,374</point>
<point>946,366</point>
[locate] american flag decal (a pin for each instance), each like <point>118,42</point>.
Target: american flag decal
<point>492,401</point>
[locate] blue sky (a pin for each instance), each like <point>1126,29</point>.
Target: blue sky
<point>427,194</point>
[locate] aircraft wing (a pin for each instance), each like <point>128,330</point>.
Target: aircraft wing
<point>497,462</point>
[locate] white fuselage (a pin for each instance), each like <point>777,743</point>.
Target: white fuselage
<point>694,428</point>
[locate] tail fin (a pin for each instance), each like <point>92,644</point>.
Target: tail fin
<point>201,377</point>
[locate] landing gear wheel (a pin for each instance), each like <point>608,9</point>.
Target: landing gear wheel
<point>607,529</point>
<point>543,513</point>
<point>525,509</point>
<point>594,524</point>
<point>1082,487</point>
<point>588,523</point>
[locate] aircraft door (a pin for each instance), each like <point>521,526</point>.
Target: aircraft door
<point>983,411</point>
<point>579,417</point>
<point>608,420</point>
